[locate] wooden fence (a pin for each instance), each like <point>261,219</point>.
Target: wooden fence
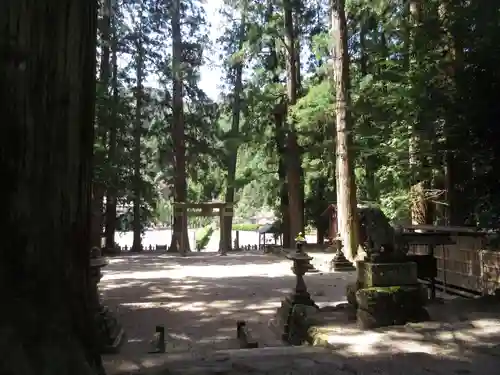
<point>465,265</point>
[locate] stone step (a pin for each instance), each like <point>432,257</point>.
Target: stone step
<point>269,360</point>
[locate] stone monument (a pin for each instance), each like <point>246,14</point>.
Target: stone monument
<point>386,291</point>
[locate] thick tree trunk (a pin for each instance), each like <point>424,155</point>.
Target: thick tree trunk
<point>112,147</point>
<point>47,72</point>
<point>99,188</point>
<point>178,135</point>
<point>346,185</point>
<point>456,171</point>
<point>283,194</point>
<point>369,160</point>
<point>278,118</point>
<point>97,204</point>
<point>235,128</point>
<point>419,205</point>
<point>137,185</point>
<point>293,158</point>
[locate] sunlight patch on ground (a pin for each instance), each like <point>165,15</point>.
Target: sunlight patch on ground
<point>474,331</point>
<point>203,306</point>
<point>142,305</point>
<point>144,275</point>
<point>164,296</point>
<point>371,343</point>
<point>265,307</point>
<point>446,340</point>
<point>225,271</point>
<point>179,336</point>
<point>129,284</point>
<point>212,271</point>
<point>116,260</point>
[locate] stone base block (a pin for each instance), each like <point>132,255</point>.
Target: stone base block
<point>390,298</point>
<point>342,267</point>
<point>385,306</point>
<point>387,274</point>
<point>340,263</point>
<point>111,332</point>
<point>282,318</point>
<point>299,323</point>
<point>290,321</point>
<point>367,320</point>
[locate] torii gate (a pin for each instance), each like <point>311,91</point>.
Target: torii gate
<point>205,209</point>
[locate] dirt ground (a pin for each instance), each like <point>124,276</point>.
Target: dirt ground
<point>199,298</point>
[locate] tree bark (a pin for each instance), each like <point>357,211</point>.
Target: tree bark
<point>99,186</point>
<point>278,118</point>
<point>137,183</point>
<point>369,160</point>
<point>419,204</point>
<point>456,171</point>
<point>235,128</point>
<point>283,193</point>
<point>112,147</point>
<point>47,72</point>
<point>178,133</point>
<point>346,185</point>
<point>293,158</point>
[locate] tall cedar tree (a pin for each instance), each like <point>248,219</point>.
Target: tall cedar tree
<point>47,70</point>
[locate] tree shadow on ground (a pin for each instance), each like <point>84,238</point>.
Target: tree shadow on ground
<point>199,301</point>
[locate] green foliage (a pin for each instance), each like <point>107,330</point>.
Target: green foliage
<point>405,84</point>
<point>203,237</point>
<point>246,227</point>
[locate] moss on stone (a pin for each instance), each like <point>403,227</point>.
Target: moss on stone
<point>382,299</point>
<point>383,289</point>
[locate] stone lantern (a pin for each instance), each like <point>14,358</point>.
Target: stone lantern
<point>301,265</point>
<point>299,297</point>
<point>300,241</point>
<point>339,262</point>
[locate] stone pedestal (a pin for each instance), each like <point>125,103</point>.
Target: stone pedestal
<point>339,262</point>
<point>282,323</point>
<point>109,329</point>
<point>387,274</point>
<point>387,294</point>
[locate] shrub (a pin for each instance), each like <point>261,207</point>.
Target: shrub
<point>203,237</point>
<point>247,227</point>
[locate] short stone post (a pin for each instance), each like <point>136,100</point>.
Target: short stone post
<point>158,342</point>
